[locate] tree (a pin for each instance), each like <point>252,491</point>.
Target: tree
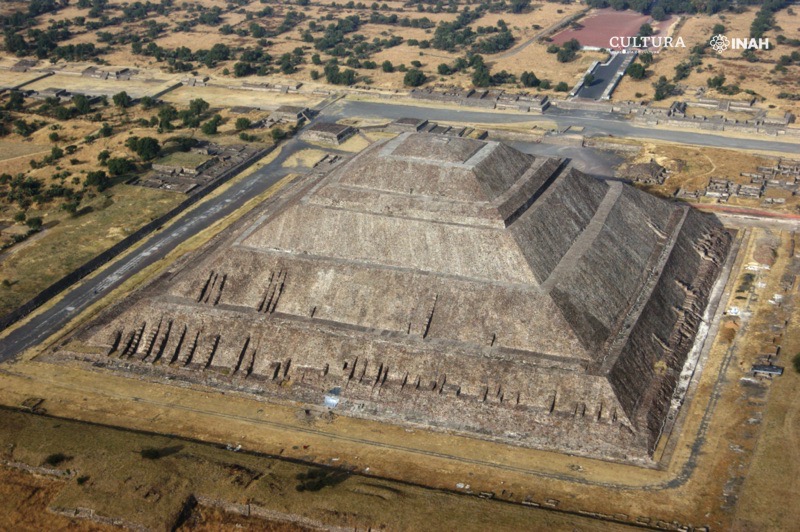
<point>103,157</point>
<point>481,76</point>
<point>210,127</point>
<point>120,165</point>
<point>518,6</point>
<point>529,79</point>
<point>414,78</point>
<point>97,179</point>
<point>716,82</point>
<point>565,55</point>
<point>241,69</point>
<point>444,69</point>
<point>646,30</point>
<point>387,66</point>
<point>166,115</point>
<point>198,106</point>
<point>122,100</point>
<point>796,362</point>
<point>663,88</point>
<point>35,223</point>
<point>15,101</point>
<point>82,104</point>
<point>243,123</point>
<point>588,79</point>
<point>105,130</point>
<point>53,137</point>
<point>147,102</point>
<point>146,147</point>
<point>636,71</point>
<point>562,86</point>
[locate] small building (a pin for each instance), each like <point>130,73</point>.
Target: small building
<point>329,132</point>
<point>23,65</point>
<point>51,92</point>
<point>289,113</point>
<point>407,124</point>
<point>767,370</point>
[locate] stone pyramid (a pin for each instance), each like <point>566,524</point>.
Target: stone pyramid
<point>446,282</point>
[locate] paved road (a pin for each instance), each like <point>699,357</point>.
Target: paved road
<point>595,123</point>
<point>206,213</point>
<point>155,248</point>
<point>603,75</point>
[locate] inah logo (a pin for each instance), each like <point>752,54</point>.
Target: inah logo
<point>720,43</point>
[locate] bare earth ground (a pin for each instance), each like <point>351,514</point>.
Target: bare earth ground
<point>599,25</point>
<point>153,492</point>
<point>24,499</point>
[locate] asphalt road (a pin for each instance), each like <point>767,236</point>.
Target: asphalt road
<point>603,74</point>
<point>154,248</point>
<point>595,123</point>
<point>157,246</point>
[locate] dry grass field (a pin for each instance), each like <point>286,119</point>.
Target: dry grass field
<point>117,481</point>
<point>67,242</point>
<point>759,77</point>
<point>524,26</point>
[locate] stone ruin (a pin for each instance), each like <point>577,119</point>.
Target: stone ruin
<point>439,282</point>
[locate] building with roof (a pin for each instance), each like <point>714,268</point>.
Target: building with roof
<point>328,132</point>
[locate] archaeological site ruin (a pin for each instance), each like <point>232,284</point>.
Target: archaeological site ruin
<point>439,282</point>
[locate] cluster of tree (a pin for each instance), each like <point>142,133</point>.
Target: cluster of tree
<point>661,9</point>
<point>290,20</point>
<point>98,179</point>
<point>765,19</point>
<point>502,40</point>
<point>22,19</point>
<point>718,83</point>
<point>120,165</point>
<point>190,117</point>
<point>787,60</point>
<point>566,52</point>
<point>684,68</point>
<point>414,78</point>
<point>252,61</point>
<point>210,127</point>
<point>638,69</point>
<point>482,76</point>
<point>26,190</point>
<point>210,58</point>
<point>334,33</point>
<point>405,22</point>
<point>782,39</point>
<point>147,148</point>
<point>664,89</point>
<point>452,35</point>
<point>335,76</point>
<point>81,106</point>
<point>529,79</point>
